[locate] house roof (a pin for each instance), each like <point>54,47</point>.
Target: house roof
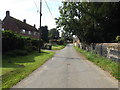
<point>19,24</point>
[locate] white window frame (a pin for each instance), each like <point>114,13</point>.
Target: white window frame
<point>23,31</point>
<point>29,32</point>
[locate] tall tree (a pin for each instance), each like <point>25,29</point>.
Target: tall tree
<point>44,34</point>
<point>53,33</point>
<point>91,21</point>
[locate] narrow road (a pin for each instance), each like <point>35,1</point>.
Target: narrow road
<point>68,70</point>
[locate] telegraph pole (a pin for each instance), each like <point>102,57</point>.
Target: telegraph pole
<point>40,25</point>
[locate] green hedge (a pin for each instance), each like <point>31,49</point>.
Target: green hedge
<point>12,41</point>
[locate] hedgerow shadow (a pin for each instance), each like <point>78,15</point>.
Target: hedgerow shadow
<point>18,62</point>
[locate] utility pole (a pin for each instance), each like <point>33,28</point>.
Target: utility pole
<point>40,25</point>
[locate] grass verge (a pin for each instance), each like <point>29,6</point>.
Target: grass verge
<point>57,47</point>
<point>105,63</point>
<point>20,67</point>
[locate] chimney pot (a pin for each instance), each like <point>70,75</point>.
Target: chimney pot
<point>24,20</point>
<point>34,26</point>
<point>7,13</point>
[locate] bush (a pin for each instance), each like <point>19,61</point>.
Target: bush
<point>47,46</point>
<point>12,41</point>
<point>60,42</point>
<point>35,43</point>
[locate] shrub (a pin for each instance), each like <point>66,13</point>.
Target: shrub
<point>47,46</point>
<point>60,42</point>
<point>34,42</point>
<point>12,41</point>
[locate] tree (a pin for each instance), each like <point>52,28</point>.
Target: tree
<point>66,36</point>
<point>91,22</point>
<point>54,34</point>
<point>44,34</point>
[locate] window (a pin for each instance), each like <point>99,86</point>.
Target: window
<point>34,33</point>
<point>29,32</point>
<point>23,31</point>
<point>2,29</point>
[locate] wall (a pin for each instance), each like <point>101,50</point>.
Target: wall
<point>109,50</point>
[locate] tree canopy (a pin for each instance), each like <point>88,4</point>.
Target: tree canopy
<point>91,22</point>
<point>44,34</point>
<point>53,33</point>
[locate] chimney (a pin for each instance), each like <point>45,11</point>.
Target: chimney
<point>7,13</point>
<point>24,20</point>
<point>34,26</point>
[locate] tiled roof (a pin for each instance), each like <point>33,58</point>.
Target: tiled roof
<point>19,24</point>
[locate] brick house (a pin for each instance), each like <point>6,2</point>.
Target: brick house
<point>19,27</point>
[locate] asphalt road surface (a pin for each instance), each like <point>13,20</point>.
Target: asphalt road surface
<point>67,69</point>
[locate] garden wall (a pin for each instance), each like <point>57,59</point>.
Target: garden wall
<point>109,50</point>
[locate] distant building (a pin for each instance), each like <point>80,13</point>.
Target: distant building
<point>19,27</point>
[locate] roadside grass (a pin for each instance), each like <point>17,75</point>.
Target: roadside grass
<point>20,67</point>
<point>105,63</point>
<point>57,47</point>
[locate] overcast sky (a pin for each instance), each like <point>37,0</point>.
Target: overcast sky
<point>26,9</point>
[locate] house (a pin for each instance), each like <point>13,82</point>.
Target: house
<point>0,24</point>
<point>19,27</point>
<point>76,41</point>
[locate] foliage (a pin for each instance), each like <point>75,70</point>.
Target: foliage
<point>12,41</point>
<point>118,38</point>
<point>22,66</point>
<point>35,43</point>
<point>60,42</point>
<point>44,34</point>
<point>53,34</point>
<point>91,22</point>
<point>47,46</point>
<point>104,63</point>
<point>66,36</point>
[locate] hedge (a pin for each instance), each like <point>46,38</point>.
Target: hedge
<point>12,41</point>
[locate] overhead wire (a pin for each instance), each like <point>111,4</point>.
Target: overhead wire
<point>49,9</point>
<point>36,6</point>
<point>46,5</point>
